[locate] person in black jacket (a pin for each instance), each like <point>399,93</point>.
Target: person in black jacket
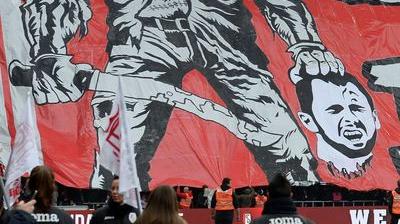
<point>20,214</point>
<point>202,198</point>
<point>246,199</point>
<point>280,207</point>
<point>36,207</point>
<point>41,180</point>
<point>115,212</point>
<point>19,217</point>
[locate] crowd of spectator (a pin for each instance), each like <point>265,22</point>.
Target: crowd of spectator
<point>247,196</point>
<point>41,195</point>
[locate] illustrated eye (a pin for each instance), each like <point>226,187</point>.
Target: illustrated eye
<point>334,109</point>
<point>356,108</point>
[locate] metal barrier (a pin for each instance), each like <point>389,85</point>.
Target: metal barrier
<point>297,203</point>
<point>339,203</point>
<point>73,207</point>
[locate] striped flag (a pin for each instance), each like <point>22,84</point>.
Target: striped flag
<point>26,151</point>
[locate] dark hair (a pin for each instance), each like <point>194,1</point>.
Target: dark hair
<point>226,181</point>
<point>279,187</point>
<point>1,199</point>
<point>304,88</point>
<point>116,177</point>
<point>41,180</point>
<point>162,208</point>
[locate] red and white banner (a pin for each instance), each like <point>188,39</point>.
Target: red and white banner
<point>242,89</point>
<point>26,152</point>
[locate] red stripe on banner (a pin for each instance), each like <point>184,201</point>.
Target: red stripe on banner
<point>6,87</point>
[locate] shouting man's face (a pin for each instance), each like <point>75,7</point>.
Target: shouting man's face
<point>344,117</point>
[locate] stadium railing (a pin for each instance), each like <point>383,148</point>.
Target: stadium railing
<point>339,203</point>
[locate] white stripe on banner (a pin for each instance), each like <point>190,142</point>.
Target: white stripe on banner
<point>5,139</point>
<point>26,154</point>
<point>16,47</point>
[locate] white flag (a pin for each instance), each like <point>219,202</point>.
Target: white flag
<point>26,153</point>
<point>117,152</point>
<point>109,142</point>
<point>129,184</point>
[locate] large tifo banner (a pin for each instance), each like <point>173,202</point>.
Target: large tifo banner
<point>213,88</point>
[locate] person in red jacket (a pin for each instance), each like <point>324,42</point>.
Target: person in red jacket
<point>185,197</point>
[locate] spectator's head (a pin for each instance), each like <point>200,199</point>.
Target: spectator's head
<point>115,195</point>
<point>247,190</point>
<point>186,190</point>
<point>279,187</point>
<point>162,207</point>
<point>398,183</point>
<point>226,182</point>
<point>42,180</point>
<point>340,111</point>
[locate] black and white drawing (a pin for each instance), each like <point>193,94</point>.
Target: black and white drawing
<point>153,43</point>
<point>383,76</point>
<point>394,153</point>
<point>373,2</point>
<point>342,115</point>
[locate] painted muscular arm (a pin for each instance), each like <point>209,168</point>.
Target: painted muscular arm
<point>292,21</point>
<point>123,17</point>
<point>50,24</point>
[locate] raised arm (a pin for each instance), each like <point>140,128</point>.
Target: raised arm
<point>50,24</point>
<point>292,21</point>
<point>123,19</point>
